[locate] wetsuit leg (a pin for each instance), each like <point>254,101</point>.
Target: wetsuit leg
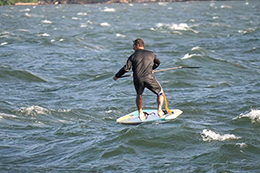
<point>139,87</point>
<point>153,85</point>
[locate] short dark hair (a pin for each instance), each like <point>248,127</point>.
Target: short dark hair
<point>139,41</point>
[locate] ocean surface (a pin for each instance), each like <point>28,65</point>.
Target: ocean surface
<point>59,103</point>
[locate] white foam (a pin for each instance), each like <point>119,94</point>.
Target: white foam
<point>47,21</point>
<point>5,34</point>
<point>83,25</point>
<point>120,35</point>
<point>90,22</point>
<point>4,115</point>
<point>249,30</point>
<point>226,6</point>
<point>4,43</point>
<point>64,110</point>
<point>163,3</point>
<point>178,27</point>
<point>254,115</point>
<point>106,9</point>
<point>188,56</point>
<point>241,145</point>
<point>208,135</point>
<point>34,110</point>
<point>60,40</point>
<point>24,10</point>
<point>44,35</point>
<point>105,24</point>
<point>109,111</point>
<point>196,48</point>
<point>33,15</point>
<point>181,26</point>
<point>28,15</point>
<point>23,30</point>
<point>82,14</point>
<point>76,18</point>
<point>212,4</point>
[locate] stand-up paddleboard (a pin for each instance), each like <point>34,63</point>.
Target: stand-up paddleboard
<point>133,119</point>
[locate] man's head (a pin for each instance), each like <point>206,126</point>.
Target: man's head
<point>138,44</point>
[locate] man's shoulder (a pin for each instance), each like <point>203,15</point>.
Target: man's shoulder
<point>141,52</point>
<point>146,51</point>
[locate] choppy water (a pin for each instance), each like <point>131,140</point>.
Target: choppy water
<point>59,104</point>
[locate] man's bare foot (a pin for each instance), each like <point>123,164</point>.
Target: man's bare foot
<point>143,116</point>
<point>161,114</point>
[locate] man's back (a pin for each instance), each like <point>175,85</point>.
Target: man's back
<point>143,63</point>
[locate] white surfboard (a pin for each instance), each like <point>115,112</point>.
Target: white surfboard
<point>132,118</point>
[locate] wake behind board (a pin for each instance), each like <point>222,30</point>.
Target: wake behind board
<point>132,118</point>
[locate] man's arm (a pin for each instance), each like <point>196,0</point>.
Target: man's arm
<point>124,69</point>
<point>156,62</point>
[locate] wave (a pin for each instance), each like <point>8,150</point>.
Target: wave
<point>25,10</point>
<point>33,15</point>
<point>47,21</point>
<point>4,43</point>
<point>208,135</point>
<point>44,35</point>
<point>195,52</point>
<point>174,27</point>
<point>121,35</point>
<point>82,14</point>
<point>220,84</point>
<point>188,56</point>
<point>34,110</point>
<point>226,7</point>
<point>104,24</point>
<point>4,115</point>
<point>5,34</point>
<point>207,58</point>
<point>35,115</point>
<point>248,31</point>
<point>106,9</point>
<point>253,115</point>
<point>38,110</point>
<point>76,18</point>
<point>9,74</point>
<point>20,117</point>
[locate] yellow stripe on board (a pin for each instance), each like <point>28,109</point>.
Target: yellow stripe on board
<point>124,118</point>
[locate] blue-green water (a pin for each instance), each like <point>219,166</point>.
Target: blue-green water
<point>59,103</point>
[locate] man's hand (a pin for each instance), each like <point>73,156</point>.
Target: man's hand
<point>115,78</point>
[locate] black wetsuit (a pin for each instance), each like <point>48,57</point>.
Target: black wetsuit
<point>143,62</point>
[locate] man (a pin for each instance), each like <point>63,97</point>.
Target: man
<point>143,62</point>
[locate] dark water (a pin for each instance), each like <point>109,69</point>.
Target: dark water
<point>59,104</point>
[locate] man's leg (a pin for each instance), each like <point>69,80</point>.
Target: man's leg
<point>160,105</point>
<point>153,85</point>
<point>139,103</point>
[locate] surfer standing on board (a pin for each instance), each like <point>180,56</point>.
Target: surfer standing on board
<point>143,62</point>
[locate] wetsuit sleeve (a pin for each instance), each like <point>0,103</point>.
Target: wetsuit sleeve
<point>156,62</point>
<point>124,69</point>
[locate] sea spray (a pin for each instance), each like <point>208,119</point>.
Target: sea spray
<point>254,115</point>
<point>208,135</point>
